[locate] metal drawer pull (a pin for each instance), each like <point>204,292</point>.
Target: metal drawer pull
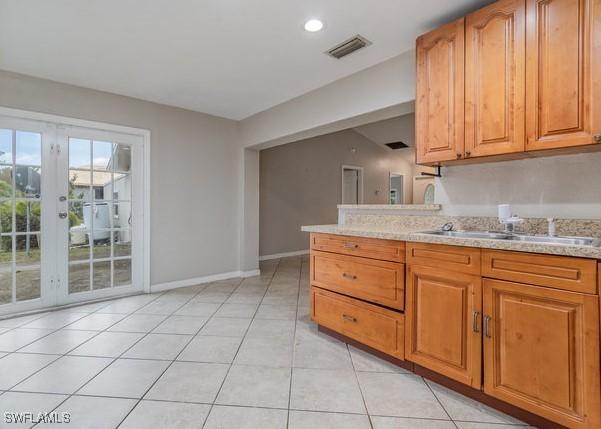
<point>475,326</point>
<point>351,245</point>
<point>486,326</point>
<point>349,276</point>
<point>349,318</point>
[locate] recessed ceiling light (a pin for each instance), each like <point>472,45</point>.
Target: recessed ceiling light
<point>313,25</point>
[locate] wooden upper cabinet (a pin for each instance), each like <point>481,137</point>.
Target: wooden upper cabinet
<point>443,322</point>
<point>562,71</point>
<point>439,110</point>
<point>541,351</point>
<point>495,72</point>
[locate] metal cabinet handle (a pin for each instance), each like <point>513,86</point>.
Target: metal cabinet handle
<point>351,245</point>
<point>487,326</point>
<point>475,326</point>
<point>468,153</point>
<point>459,155</point>
<point>349,276</point>
<point>349,318</point>
<point>597,138</point>
<point>63,215</point>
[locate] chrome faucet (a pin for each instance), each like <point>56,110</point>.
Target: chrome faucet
<point>447,226</point>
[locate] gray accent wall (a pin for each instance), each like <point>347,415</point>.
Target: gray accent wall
<point>301,184</point>
<point>195,168</point>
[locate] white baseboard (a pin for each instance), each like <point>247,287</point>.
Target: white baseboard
<point>283,255</point>
<point>160,287</point>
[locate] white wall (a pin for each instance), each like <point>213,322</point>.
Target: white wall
<point>195,172</point>
<point>567,186</point>
<point>384,90</point>
<point>301,184</point>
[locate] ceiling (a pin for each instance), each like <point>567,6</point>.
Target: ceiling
<point>393,130</point>
<point>230,58</point>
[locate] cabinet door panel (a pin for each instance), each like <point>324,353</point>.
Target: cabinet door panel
<point>439,111</point>
<point>443,324</point>
<point>564,46</point>
<point>495,58</point>
<point>541,352</point>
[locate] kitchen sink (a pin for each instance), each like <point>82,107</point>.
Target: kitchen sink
<point>578,241</point>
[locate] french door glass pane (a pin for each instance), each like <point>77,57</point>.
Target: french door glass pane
<point>102,275</point>
<point>100,214</point>
<point>20,215</point>
<point>79,277</point>
<point>28,282</point>
<point>29,148</point>
<point>122,274</point>
<point>6,146</point>
<point>6,269</point>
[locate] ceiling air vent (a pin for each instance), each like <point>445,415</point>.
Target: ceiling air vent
<point>348,46</point>
<point>396,145</point>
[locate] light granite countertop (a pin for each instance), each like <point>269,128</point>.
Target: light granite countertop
<point>391,207</point>
<point>401,234</point>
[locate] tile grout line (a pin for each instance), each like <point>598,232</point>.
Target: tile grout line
<point>300,275</point>
<point>239,345</point>
<point>175,358</point>
<point>69,396</point>
<point>60,356</point>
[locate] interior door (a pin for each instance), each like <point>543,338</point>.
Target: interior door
<point>495,73</point>
<point>27,168</point>
<point>541,351</point>
<point>442,319</point>
<point>564,57</point>
<point>99,214</point>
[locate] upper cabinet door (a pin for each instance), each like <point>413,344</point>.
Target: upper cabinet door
<point>564,54</point>
<point>440,94</point>
<point>495,72</point>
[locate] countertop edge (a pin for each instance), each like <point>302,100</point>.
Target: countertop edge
<point>483,243</point>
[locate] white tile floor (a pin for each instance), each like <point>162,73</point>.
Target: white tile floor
<point>230,354</point>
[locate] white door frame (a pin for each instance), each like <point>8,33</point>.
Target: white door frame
<point>359,184</point>
<point>62,121</point>
<point>402,176</point>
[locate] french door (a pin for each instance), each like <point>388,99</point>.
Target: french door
<point>71,210</point>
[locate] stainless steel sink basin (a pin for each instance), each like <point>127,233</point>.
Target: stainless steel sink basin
<point>471,234</point>
<point>578,241</point>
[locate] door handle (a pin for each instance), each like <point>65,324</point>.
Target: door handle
<point>63,215</point>
<point>475,326</point>
<point>487,326</point>
<point>62,198</point>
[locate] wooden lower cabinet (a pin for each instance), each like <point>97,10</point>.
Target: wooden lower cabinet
<point>541,351</point>
<point>377,327</point>
<point>443,323</point>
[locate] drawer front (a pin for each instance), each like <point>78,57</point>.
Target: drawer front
<point>454,258</point>
<point>381,282</point>
<point>560,272</point>
<point>373,326</point>
<point>373,248</point>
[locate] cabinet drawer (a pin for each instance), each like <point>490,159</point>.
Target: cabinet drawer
<point>560,272</point>
<point>373,248</point>
<point>374,326</point>
<point>454,258</point>
<point>381,282</point>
